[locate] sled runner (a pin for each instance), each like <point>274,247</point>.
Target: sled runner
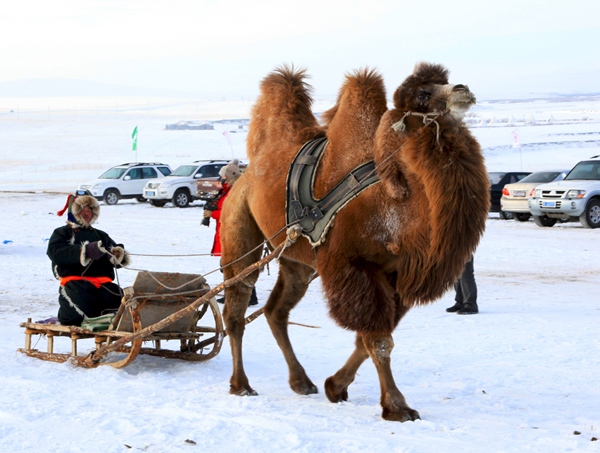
<point>148,305</point>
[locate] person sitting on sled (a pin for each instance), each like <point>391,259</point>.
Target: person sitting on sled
<point>84,260</point>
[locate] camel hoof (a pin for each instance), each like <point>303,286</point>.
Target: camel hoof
<point>404,415</point>
<point>335,394</point>
<point>304,388</point>
<point>243,391</point>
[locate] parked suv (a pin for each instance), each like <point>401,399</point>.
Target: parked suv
<point>577,197</point>
<point>497,182</point>
<point>124,181</point>
<point>180,186</point>
<point>209,185</point>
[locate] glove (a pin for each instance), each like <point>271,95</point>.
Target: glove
<point>94,250</point>
<point>118,254</point>
<point>207,213</point>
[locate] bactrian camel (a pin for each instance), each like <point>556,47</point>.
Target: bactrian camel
<point>400,243</point>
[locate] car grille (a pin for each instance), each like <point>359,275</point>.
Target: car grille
<point>153,185</point>
<point>553,193</point>
<point>556,206</point>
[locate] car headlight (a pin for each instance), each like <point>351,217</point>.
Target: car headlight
<point>166,184</point>
<point>97,186</point>
<point>576,193</point>
<point>537,193</point>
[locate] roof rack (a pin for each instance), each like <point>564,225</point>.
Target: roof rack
<point>135,164</point>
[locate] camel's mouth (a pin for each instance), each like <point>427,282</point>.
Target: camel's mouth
<point>459,99</point>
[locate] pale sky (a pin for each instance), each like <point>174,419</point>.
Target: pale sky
<point>500,48</point>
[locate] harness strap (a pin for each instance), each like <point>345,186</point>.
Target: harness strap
<point>96,281</point>
<point>315,217</point>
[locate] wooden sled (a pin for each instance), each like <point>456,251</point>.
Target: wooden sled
<point>150,305</point>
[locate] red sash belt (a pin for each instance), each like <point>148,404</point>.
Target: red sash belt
<point>96,281</point>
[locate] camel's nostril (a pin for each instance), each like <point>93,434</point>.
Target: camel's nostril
<point>460,88</point>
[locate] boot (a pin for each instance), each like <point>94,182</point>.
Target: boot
<point>457,306</point>
<point>253,298</point>
<point>468,309</point>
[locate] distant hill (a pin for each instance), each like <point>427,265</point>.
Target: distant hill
<point>58,87</point>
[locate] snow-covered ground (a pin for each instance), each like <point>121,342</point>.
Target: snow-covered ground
<point>520,376</point>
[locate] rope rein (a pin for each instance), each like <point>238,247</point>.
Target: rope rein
<point>399,127</point>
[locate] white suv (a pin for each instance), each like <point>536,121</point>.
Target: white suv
<point>124,181</point>
<point>180,186</point>
<point>577,197</point>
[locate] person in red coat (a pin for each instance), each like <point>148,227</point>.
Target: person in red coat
<point>229,175</point>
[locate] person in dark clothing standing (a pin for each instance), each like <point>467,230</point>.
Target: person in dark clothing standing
<point>466,292</point>
<point>229,175</point>
<point>84,260</point>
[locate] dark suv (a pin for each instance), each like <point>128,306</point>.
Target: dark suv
<point>208,186</point>
<point>498,180</point>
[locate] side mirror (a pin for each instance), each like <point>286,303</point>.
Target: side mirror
<point>127,178</point>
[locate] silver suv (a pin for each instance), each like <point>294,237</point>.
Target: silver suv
<point>124,181</point>
<point>180,186</point>
<point>577,197</point>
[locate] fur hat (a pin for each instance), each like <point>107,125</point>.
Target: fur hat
<point>231,171</point>
<point>75,205</point>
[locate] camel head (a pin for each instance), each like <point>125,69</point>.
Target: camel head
<point>427,91</point>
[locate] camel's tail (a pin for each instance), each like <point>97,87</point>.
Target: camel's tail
<point>282,111</point>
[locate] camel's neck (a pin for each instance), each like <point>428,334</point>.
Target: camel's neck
<point>446,185</point>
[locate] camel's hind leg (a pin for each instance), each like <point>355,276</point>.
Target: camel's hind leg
<point>291,285</point>
<point>393,403</point>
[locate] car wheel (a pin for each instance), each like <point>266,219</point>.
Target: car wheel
<point>591,217</point>
<point>522,217</point>
<point>141,199</point>
<point>505,215</point>
<point>111,196</point>
<point>181,199</point>
<point>158,203</point>
<point>543,221</point>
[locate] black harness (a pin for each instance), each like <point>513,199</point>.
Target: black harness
<point>316,216</point>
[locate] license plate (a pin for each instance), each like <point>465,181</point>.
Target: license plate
<point>548,204</point>
<point>81,192</point>
<point>150,193</point>
<point>519,193</point>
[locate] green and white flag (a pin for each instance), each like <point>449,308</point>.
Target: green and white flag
<point>134,137</point>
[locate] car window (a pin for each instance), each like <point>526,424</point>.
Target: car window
<point>113,173</point>
<point>210,171</point>
<point>585,170</point>
<point>149,173</point>
<point>495,177</point>
<point>520,176</point>
<point>135,173</point>
<point>541,176</point>
<point>165,170</point>
<point>184,170</point>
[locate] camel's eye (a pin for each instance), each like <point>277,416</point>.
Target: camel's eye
<point>423,96</point>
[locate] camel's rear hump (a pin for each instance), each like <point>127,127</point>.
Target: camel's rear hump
<point>282,114</point>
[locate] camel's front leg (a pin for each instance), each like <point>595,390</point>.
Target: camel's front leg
<point>336,386</point>
<point>393,403</point>
<point>290,287</point>
<point>233,314</point>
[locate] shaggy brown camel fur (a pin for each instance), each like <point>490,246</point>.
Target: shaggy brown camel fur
<point>400,243</point>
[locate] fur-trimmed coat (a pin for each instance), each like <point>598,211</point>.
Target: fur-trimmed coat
<point>66,250</point>
<point>81,299</point>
